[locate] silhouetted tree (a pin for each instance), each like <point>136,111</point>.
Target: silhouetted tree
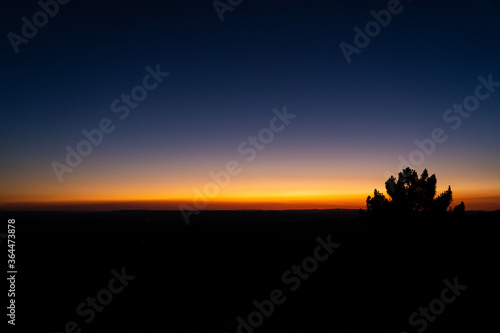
<point>410,196</point>
<point>459,210</point>
<point>378,205</point>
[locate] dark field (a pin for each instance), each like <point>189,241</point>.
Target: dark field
<point>203,276</point>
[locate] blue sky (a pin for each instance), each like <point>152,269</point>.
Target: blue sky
<point>226,77</point>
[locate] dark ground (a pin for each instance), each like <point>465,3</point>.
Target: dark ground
<point>201,277</point>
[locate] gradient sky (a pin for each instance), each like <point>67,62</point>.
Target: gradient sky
<point>225,78</point>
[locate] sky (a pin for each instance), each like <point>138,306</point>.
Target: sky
<point>279,105</point>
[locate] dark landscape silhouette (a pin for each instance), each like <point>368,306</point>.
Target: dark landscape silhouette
<point>203,276</point>
<point>252,166</point>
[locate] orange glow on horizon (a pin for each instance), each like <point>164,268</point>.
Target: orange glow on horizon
<point>270,202</point>
<point>219,203</point>
<point>260,186</point>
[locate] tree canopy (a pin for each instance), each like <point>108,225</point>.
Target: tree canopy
<point>411,195</point>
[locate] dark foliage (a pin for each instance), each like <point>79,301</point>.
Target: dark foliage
<point>410,195</point>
